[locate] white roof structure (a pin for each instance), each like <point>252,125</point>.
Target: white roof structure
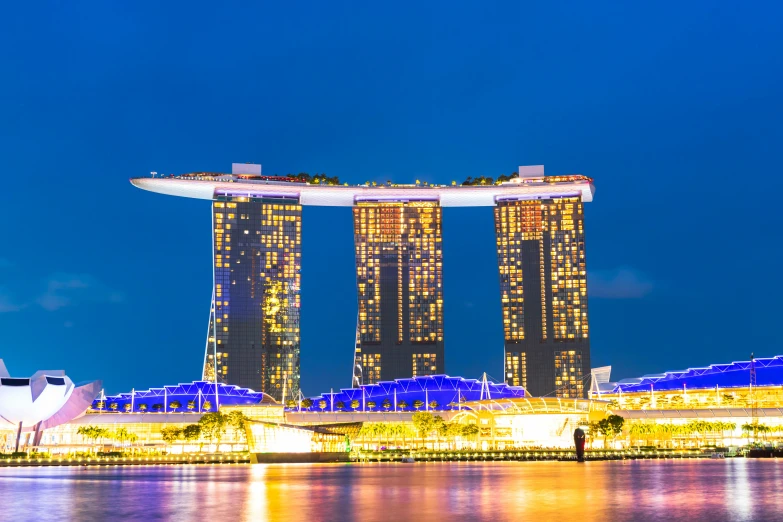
<point>213,185</point>
<point>48,397</point>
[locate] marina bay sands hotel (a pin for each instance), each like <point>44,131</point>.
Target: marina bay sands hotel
<point>254,328</point>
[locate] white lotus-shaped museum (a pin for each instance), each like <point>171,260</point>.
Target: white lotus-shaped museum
<point>47,399</point>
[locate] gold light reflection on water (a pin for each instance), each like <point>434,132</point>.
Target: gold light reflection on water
<point>256,505</point>
<point>731,489</point>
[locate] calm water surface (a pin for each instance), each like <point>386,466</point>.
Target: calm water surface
<point>733,489</point>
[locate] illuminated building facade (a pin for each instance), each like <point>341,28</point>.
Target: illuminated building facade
<point>399,281</point>
<point>543,284</point>
<point>253,337</point>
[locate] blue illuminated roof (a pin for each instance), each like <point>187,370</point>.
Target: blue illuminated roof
<point>197,391</point>
<point>769,372</point>
<point>444,390</point>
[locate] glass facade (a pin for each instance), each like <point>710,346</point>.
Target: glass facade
<point>543,285</point>
<point>253,337</point>
<point>400,290</point>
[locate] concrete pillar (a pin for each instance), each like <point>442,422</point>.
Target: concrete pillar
<point>38,435</point>
<point>18,436</point>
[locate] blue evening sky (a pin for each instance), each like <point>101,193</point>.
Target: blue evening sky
<point>674,108</point>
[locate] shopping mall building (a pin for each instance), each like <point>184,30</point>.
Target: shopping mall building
<point>716,404</point>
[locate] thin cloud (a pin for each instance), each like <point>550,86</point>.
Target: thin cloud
<point>8,303</point>
<point>70,289</point>
<point>620,283</point>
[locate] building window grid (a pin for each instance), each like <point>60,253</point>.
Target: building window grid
<point>516,368</point>
<point>371,368</point>
<point>568,270</point>
<point>514,223</point>
<point>569,374</point>
<point>424,364</point>
<point>411,232</point>
<point>269,296</point>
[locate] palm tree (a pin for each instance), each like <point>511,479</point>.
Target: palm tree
<point>371,405</point>
<point>386,404</point>
<point>307,403</point>
<point>433,405</point>
<point>88,432</point>
<point>418,404</point>
<point>206,406</point>
<point>157,407</point>
<point>322,404</point>
<point>355,404</point>
<point>127,407</point>
<point>340,405</point>
<point>142,407</point>
<point>191,405</point>
<point>174,405</point>
<point>402,405</point>
<point>113,406</point>
<point>132,438</point>
<point>102,433</point>
<point>122,434</point>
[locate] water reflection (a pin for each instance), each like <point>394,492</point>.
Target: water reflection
<point>734,489</point>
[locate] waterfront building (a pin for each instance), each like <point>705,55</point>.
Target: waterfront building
<point>193,397</point>
<point>543,286</point>
<point>399,267</point>
<point>424,393</point>
<point>724,404</point>
<point>254,337</point>
<point>47,399</point>
<point>741,385</point>
<point>720,404</point>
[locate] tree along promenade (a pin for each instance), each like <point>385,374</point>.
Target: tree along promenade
<point>523,455</point>
<point>207,458</point>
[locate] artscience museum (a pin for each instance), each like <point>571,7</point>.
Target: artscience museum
<point>29,405</point>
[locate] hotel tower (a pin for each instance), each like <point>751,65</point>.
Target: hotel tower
<point>254,334</point>
<point>399,279</point>
<point>543,287</point>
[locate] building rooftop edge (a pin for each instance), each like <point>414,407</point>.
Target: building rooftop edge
<point>341,195</point>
